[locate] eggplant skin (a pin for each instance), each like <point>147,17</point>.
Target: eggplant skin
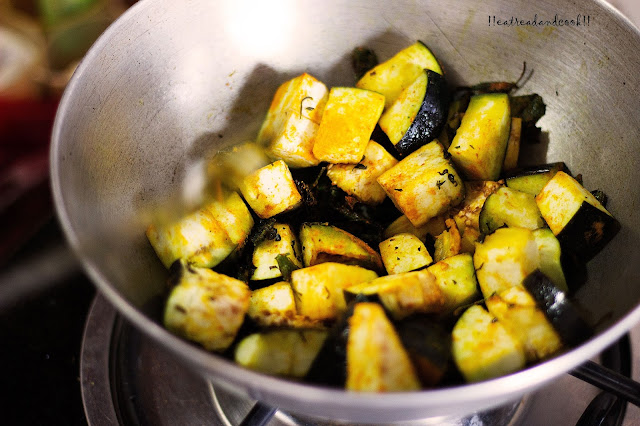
<point>431,117</point>
<point>533,178</point>
<point>428,345</point>
<point>588,231</point>
<point>330,365</point>
<point>560,311</point>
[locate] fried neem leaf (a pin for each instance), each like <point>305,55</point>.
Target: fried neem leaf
<point>263,230</point>
<point>457,107</point>
<point>501,86</point>
<point>362,60</point>
<point>363,221</point>
<point>530,108</point>
<point>240,263</point>
<point>325,202</point>
<point>286,266</point>
<point>494,87</point>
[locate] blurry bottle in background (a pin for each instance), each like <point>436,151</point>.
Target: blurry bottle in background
<point>41,43</point>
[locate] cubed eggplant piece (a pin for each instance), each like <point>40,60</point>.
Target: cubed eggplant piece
<point>512,208</point>
<point>480,144</point>
<point>275,306</point>
<point>424,184</point>
<point>325,243</point>
<point>404,253</point>
<point>206,307</point>
<point>349,117</point>
<point>482,348</point>
<point>550,257</point>
<point>376,359</point>
<point>318,289</point>
<point>576,217</point>
<point>456,277</point>
<point>504,259</point>
<point>271,190</point>
<point>396,74</point>
<point>404,294</point>
<point>518,312</point>
<point>360,180</point>
<point>199,239</point>
<point>532,179</point>
<point>290,127</point>
<point>288,353</point>
<point>418,115</point>
<point>266,253</point>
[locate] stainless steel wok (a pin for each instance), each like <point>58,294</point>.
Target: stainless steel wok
<point>170,81</point>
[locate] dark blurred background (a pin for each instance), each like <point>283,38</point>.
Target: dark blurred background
<point>41,43</point>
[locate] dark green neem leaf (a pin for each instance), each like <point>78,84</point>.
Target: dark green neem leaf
<point>528,107</point>
<point>239,264</point>
<point>263,230</point>
<point>286,266</point>
<point>362,60</point>
<point>308,175</point>
<point>369,232</point>
<point>308,197</point>
<point>322,173</point>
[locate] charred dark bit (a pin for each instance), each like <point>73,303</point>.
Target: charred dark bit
<point>308,197</point>
<point>302,103</point>
<point>601,197</point>
<point>579,178</point>
<point>176,270</point>
<point>362,60</point>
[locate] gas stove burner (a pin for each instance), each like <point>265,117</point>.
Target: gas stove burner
<point>232,409</point>
<point>128,379</point>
